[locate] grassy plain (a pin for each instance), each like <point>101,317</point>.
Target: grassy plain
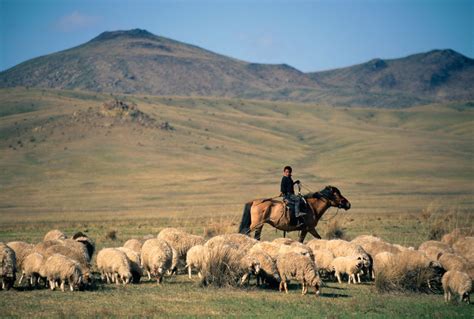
<point>404,171</point>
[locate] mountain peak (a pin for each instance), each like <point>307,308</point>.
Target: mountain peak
<point>133,33</point>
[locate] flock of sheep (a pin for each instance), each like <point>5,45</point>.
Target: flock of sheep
<point>235,258</point>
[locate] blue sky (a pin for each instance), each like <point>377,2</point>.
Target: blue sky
<point>309,35</point>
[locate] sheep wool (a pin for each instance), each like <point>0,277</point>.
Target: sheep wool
<point>77,254</point>
<point>7,266</point>
<point>135,263</point>
<point>133,244</point>
<point>156,257</point>
<point>54,234</point>
<point>456,282</point>
<point>198,258</point>
<point>180,240</point>
<point>323,259</point>
<point>465,248</point>
<point>347,265</point>
<point>269,248</point>
<point>22,249</point>
<point>114,265</point>
<point>33,268</point>
<point>292,265</point>
<point>59,268</point>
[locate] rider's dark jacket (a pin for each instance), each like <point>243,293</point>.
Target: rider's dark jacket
<point>286,186</point>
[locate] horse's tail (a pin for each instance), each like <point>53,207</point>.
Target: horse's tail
<point>245,223</point>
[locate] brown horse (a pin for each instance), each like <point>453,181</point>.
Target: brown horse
<point>258,212</point>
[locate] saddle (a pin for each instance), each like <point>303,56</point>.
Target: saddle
<point>289,210</point>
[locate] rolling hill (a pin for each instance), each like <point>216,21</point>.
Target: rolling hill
<point>139,62</point>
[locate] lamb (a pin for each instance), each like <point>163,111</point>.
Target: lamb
<point>197,257</point>
<point>133,244</point>
<point>22,249</point>
<point>457,282</point>
<point>156,257</point>
<point>7,266</point>
<point>347,265</point>
<point>113,265</point>
<point>342,248</point>
<point>59,268</point>
<point>33,268</point>
<point>292,265</point>
<point>135,263</point>
<point>54,234</point>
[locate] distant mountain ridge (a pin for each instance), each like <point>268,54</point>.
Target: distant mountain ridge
<point>139,62</point>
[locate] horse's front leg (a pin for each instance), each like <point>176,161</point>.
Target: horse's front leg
<point>302,235</point>
<point>314,233</point>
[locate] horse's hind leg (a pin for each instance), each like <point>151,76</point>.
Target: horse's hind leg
<point>302,236</point>
<point>314,233</point>
<point>258,232</point>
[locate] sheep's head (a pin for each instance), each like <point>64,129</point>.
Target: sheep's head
<point>466,298</point>
<point>316,283</point>
<point>365,260</point>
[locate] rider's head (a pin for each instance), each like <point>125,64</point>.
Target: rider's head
<point>287,171</point>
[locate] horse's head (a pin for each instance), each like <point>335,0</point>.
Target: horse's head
<point>335,198</point>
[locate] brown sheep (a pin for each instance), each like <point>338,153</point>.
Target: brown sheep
<point>456,282</point>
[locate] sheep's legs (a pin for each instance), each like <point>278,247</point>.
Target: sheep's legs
<point>62,286</point>
<point>149,275</point>
<point>189,272</point>
<point>338,276</point>
<point>244,278</point>
<point>285,284</point>
<point>21,278</point>
<point>305,288</point>
<point>199,274</point>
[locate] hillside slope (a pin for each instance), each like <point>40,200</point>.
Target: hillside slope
<point>139,62</point>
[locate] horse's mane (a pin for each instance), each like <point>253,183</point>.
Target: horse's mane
<point>324,193</point>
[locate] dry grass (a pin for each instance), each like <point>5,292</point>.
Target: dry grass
<point>223,269</point>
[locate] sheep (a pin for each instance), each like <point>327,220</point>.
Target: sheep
<point>342,248</point>
<point>59,268</point>
<point>244,242</point>
<point>135,263</point>
<point>41,247</point>
<point>180,240</point>
<point>456,282</point>
<point>435,243</point>
<point>465,248</point>
<point>323,259</point>
<point>174,262</point>
<point>7,266</point>
<point>453,262</point>
<point>359,240</point>
<point>347,265</point>
<point>113,265</point>
<point>268,272</point>
<point>317,244</point>
<point>382,260</point>
<point>377,246</point>
<point>292,265</point>
<point>197,257</point>
<point>297,248</point>
<point>452,237</point>
<point>87,242</point>
<point>283,241</point>
<point>76,253</point>
<point>433,252</point>
<point>54,234</point>
<point>250,265</point>
<point>22,249</point>
<point>156,257</point>
<point>33,268</point>
<point>133,244</point>
<point>269,248</point>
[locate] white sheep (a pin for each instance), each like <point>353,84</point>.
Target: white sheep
<point>198,258</point>
<point>269,248</point>
<point>383,260</point>
<point>54,235</point>
<point>250,265</point>
<point>317,244</point>
<point>465,248</point>
<point>133,244</point>
<point>22,249</point>
<point>135,263</point>
<point>33,268</point>
<point>180,240</point>
<point>299,248</point>
<point>456,282</point>
<point>114,265</point>
<point>268,269</point>
<point>59,268</point>
<point>75,252</point>
<point>347,265</point>
<point>156,257</point>
<point>342,248</point>
<point>244,242</point>
<point>7,266</point>
<point>292,265</point>
<point>453,262</point>
<point>323,259</point>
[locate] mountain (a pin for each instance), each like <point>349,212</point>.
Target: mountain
<point>139,62</point>
<point>439,75</point>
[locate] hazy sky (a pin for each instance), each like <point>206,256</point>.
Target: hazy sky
<point>309,35</point>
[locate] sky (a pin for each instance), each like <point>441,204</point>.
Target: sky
<point>308,35</point>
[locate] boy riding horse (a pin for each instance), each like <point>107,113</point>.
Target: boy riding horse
<point>288,193</point>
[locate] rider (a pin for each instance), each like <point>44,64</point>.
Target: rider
<point>288,193</point>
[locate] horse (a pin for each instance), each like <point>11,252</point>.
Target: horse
<point>260,211</point>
